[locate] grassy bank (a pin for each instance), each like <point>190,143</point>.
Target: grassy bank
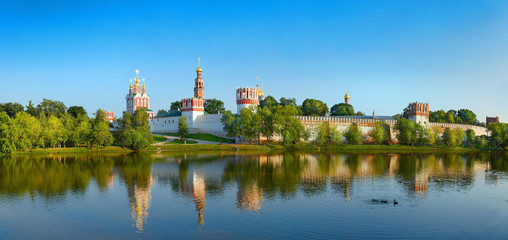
<point>73,150</point>
<point>273,147</point>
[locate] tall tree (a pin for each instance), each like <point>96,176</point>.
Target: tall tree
<point>313,107</point>
<point>7,144</point>
<point>269,102</point>
<point>11,108</point>
<point>100,134</point>
<point>81,131</point>
<point>342,109</point>
<point>327,133</point>
<point>176,105</point>
<point>353,134</point>
<point>214,106</point>
<point>470,136</point>
<point>231,124</point>
<point>53,131</point>
<point>183,127</point>
<point>290,128</point>
<point>135,130</point>
<point>75,111</point>
<point>267,122</point>
<point>467,116</point>
<point>52,107</point>
<point>378,133</point>
<point>249,124</point>
<point>288,101</point>
<point>30,109</point>
<point>406,131</point>
<point>29,131</point>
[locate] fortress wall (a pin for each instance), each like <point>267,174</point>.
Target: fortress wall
<point>479,131</point>
<point>311,124</point>
<point>164,125</point>
<point>209,124</point>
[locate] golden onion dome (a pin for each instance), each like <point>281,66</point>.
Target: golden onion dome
<point>199,69</point>
<point>346,96</point>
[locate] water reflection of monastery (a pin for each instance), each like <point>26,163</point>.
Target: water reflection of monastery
<point>256,180</point>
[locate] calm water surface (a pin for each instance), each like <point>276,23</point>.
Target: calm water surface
<point>254,196</point>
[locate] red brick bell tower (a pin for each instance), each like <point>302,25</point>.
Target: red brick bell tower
<point>199,89</point>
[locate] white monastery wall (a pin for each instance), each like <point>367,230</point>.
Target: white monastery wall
<point>164,125</point>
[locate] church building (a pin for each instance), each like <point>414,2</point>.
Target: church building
<point>138,98</point>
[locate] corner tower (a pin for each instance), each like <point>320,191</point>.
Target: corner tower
<point>199,89</point>
<point>419,113</point>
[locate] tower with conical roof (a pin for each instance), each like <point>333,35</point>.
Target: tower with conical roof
<point>346,98</point>
<point>199,89</point>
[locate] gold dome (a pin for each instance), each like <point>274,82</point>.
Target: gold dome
<point>346,96</point>
<point>199,69</point>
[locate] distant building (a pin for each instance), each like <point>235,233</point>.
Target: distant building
<point>108,115</point>
<point>491,120</point>
<point>138,98</point>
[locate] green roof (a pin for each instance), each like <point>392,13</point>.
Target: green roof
<point>148,110</point>
<point>171,113</point>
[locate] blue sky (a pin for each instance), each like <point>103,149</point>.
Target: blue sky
<point>452,54</point>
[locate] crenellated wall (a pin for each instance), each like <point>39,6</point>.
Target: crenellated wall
<point>211,124</point>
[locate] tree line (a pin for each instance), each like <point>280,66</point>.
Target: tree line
<point>51,124</point>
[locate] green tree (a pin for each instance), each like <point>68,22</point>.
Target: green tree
<point>75,111</point>
<point>406,131</point>
<point>100,134</point>
<point>51,107</point>
<point>379,133</point>
<point>81,132</point>
<point>29,131</point>
<point>453,137</point>
<point>450,116</point>
<point>6,142</point>
<point>30,109</point>
<point>53,131</point>
<point>288,101</point>
<point>423,135</point>
<point>290,128</point>
<point>467,116</point>
<point>11,108</point>
<point>459,132</point>
<point>353,134</point>
<point>342,109</point>
<point>214,106</point>
<point>183,127</point>
<point>327,133</point>
<point>267,122</point>
<point>269,102</point>
<point>470,136</point>
<point>250,124</point>
<point>231,124</point>
<point>313,107</point>
<point>176,105</point>
<point>499,134</point>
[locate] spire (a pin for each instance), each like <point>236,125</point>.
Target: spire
<point>346,98</point>
<point>130,86</point>
<point>199,70</point>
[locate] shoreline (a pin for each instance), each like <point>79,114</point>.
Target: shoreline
<point>265,148</point>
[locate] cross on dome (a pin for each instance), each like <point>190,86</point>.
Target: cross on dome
<point>137,72</point>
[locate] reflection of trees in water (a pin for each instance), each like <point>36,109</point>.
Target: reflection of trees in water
<point>274,174</point>
<point>53,177</point>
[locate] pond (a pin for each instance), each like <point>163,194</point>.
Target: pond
<point>227,195</point>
